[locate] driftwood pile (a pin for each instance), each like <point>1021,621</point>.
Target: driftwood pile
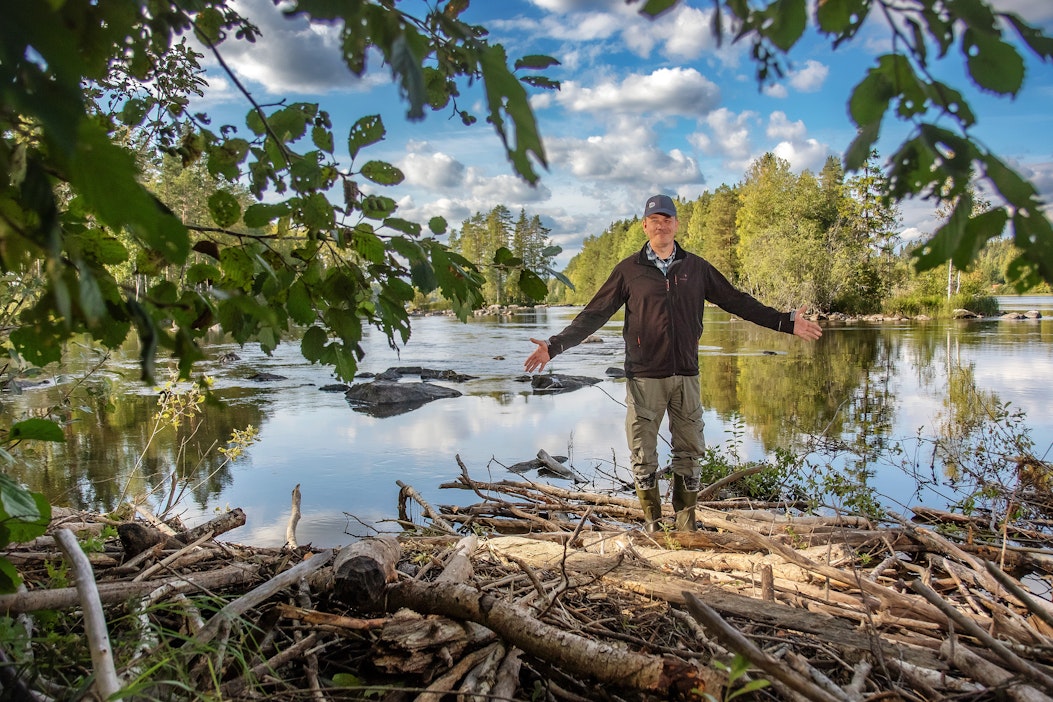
<point>542,592</point>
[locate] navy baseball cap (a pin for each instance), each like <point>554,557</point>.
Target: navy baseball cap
<point>660,204</point>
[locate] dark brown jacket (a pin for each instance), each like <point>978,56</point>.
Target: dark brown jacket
<point>663,314</point>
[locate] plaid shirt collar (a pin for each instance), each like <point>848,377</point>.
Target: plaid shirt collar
<point>662,263</point>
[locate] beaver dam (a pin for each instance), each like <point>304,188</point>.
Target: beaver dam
<point>536,592</point>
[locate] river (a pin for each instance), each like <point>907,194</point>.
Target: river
<point>887,386</point>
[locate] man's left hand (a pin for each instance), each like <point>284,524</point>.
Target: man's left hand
<point>805,328</point>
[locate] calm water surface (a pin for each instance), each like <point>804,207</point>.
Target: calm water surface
<point>761,390</point>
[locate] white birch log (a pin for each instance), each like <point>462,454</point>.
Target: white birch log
<point>107,684</point>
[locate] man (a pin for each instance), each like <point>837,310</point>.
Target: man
<point>664,289</point>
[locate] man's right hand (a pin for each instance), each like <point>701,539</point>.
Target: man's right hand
<point>538,359</point>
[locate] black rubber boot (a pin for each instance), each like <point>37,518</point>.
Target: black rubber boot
<point>684,502</point>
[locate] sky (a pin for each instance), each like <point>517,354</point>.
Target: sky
<point>645,106</point>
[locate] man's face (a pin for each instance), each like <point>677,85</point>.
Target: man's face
<point>660,230</point>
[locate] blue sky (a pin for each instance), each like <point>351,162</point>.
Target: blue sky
<point>646,106</point>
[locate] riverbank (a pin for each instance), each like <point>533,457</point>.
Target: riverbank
<point>537,590</point>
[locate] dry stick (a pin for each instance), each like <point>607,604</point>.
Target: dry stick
<point>172,558</point>
<point>429,512</point>
<point>734,640</point>
<point>294,519</point>
<point>1040,608</point>
<point>107,683</point>
<point>335,621</point>
<point>444,685</point>
<point>259,594</point>
<point>1018,664</point>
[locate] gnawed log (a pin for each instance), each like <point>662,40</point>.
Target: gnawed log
<point>362,569</point>
<point>576,655</point>
<point>410,643</point>
<point>459,565</point>
<point>221,524</point>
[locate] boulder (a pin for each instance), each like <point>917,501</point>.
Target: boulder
<point>386,398</point>
<point>556,382</point>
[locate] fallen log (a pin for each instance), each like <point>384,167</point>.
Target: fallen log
<point>574,654</point>
<point>114,593</point>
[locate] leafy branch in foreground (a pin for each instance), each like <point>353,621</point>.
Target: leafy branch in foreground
<point>934,162</point>
<point>83,82</point>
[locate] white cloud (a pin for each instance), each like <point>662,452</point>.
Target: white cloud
<point>810,78</point>
<point>431,169</point>
<point>780,127</point>
<point>292,56</point>
<point>667,91</point>
<point>803,154</point>
<point>776,90</point>
<point>627,154</point>
<point>731,135</point>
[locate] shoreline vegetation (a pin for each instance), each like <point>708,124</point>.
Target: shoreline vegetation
<point>537,592</point>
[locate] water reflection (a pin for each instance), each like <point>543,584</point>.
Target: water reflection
<point>863,388</point>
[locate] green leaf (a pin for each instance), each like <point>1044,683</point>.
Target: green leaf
<point>1038,42</point>
<point>551,251</point>
<point>133,111</point>
<point>532,285</point>
<point>382,173</point>
<point>504,257</point>
<point>368,245</point>
<point>367,130</point>
<point>90,296</point>
<point>506,94</point>
<point>656,7</point>
<point>403,225</point>
<point>209,23</point>
<point>993,64</point>
<point>535,62</point>
<point>322,138</point>
<point>437,225</point>
<point>312,345</point>
<point>407,68</point>
<point>224,208</point>
<point>560,277</point>
<point>378,207</point>
<point>318,212</point>
<point>261,214</point>
<point>871,96</point>
<point>786,20</point>
<point>36,430</point>
<point>9,577</point>
<point>38,343</point>
<point>20,505</point>
<point>842,18</point>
